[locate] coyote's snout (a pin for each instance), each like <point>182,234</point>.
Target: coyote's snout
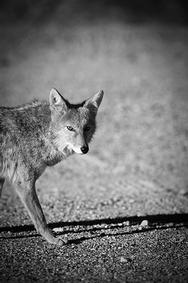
<point>41,134</point>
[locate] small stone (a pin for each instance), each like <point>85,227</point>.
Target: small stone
<point>123,259</point>
<point>144,223</point>
<point>183,192</point>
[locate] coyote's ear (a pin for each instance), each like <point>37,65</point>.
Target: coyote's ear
<point>94,101</point>
<point>57,101</point>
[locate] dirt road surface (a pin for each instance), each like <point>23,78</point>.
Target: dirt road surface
<point>124,206</point>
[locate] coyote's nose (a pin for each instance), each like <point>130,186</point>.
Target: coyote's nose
<point>84,149</point>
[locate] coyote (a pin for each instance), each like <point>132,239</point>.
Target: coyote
<point>41,134</point>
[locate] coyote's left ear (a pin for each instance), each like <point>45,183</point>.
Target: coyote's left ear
<point>94,101</point>
<point>57,101</point>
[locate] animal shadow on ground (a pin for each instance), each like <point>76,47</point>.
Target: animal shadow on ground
<point>104,227</point>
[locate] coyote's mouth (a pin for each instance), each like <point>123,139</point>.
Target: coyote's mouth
<point>68,150</point>
<point>78,150</point>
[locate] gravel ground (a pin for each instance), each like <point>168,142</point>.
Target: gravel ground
<point>123,206</point>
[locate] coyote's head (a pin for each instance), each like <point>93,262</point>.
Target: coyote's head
<point>73,125</point>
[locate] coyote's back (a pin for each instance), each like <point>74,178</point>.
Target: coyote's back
<point>21,132</point>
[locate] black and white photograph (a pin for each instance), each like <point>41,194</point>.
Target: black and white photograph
<point>94,141</point>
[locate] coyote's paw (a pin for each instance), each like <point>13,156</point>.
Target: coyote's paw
<point>60,242</point>
<point>50,237</point>
<point>57,241</point>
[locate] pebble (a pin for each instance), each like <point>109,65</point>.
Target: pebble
<point>144,223</point>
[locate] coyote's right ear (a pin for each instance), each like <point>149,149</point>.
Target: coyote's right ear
<point>57,101</point>
<point>94,102</point>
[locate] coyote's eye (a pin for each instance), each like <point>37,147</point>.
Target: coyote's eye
<point>70,128</point>
<point>87,128</point>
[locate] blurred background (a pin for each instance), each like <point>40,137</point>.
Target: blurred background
<point>136,51</point>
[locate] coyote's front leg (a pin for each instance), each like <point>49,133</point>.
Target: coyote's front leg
<point>27,194</point>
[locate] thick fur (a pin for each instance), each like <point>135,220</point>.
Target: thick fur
<point>41,134</point>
